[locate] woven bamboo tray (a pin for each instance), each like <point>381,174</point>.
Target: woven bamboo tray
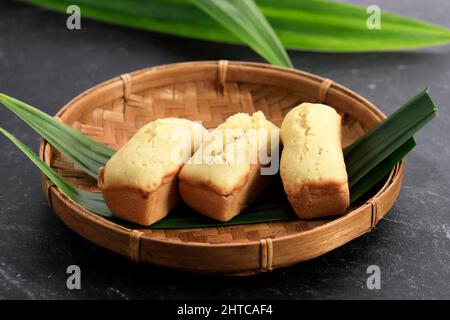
<point>113,111</point>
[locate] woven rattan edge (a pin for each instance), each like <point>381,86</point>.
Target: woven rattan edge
<point>323,90</point>
<point>266,255</point>
<point>129,97</point>
<point>135,238</point>
<point>222,68</point>
<point>46,184</point>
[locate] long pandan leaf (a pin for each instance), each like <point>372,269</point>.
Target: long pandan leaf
<point>314,25</point>
<point>88,200</point>
<point>376,145</point>
<point>330,26</point>
<point>376,175</point>
<point>84,152</point>
<point>245,21</point>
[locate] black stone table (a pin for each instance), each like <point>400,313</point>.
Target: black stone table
<point>46,65</point>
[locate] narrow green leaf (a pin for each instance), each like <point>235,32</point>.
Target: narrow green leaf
<point>366,153</point>
<point>94,202</point>
<point>314,25</point>
<point>87,154</point>
<point>89,200</point>
<point>245,21</point>
<point>330,26</point>
<point>374,176</point>
<point>67,189</point>
<point>51,136</point>
<point>64,128</point>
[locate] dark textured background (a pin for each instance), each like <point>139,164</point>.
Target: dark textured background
<point>46,65</point>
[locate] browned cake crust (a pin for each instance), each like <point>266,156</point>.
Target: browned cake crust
<point>138,206</point>
<point>224,207</point>
<point>320,199</point>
